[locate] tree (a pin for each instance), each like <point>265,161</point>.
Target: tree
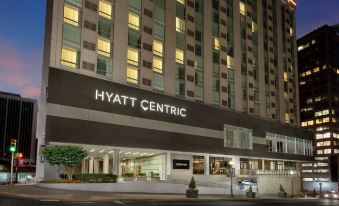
<point>65,158</point>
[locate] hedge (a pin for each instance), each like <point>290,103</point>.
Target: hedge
<point>92,178</point>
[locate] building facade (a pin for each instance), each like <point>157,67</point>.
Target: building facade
<point>318,57</point>
<point>18,118</point>
<point>173,88</point>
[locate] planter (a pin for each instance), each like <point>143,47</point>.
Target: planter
<point>192,193</point>
<point>282,194</point>
<point>142,178</point>
<point>155,178</point>
<point>250,194</point>
<point>128,178</point>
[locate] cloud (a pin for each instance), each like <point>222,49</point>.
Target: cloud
<point>20,69</point>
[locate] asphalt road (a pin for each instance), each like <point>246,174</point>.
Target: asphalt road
<point>12,201</point>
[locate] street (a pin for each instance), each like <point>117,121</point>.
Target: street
<point>13,201</point>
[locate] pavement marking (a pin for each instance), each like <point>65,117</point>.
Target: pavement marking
<point>48,200</point>
<point>119,202</point>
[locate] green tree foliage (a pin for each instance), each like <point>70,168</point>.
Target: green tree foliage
<point>64,158</point>
<point>192,185</point>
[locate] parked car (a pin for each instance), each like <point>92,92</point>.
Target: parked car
<point>332,195</point>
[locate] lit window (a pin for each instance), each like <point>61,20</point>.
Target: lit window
<point>157,48</point>
<point>133,57</point>
<point>71,15</point>
<point>216,43</point>
<point>309,101</point>
<point>230,62</point>
<point>287,117</point>
<point>132,74</point>
<point>326,119</point>
<point>310,122</point>
<point>308,72</point>
<point>291,31</point>
<point>316,69</point>
<point>303,124</point>
<point>157,65</point>
<point>179,25</point>
<point>319,136</point>
<point>179,56</point>
<point>308,179</point>
<point>327,151</point>
<point>242,8</point>
<point>302,82</point>
<point>319,151</point>
<point>254,26</point>
<point>302,74</point>
<point>69,57</point>
<point>104,47</point>
<point>181,1</point>
<point>105,9</point>
<point>327,135</point>
<point>285,77</point>
<point>337,71</point>
<point>133,21</point>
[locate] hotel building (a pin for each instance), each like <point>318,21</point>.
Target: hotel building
<point>318,57</point>
<point>173,88</point>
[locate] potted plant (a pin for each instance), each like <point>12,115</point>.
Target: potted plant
<point>128,177</point>
<point>192,191</point>
<point>282,193</point>
<point>250,193</point>
<point>142,176</point>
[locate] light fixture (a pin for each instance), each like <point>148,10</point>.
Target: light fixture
<point>101,151</point>
<point>92,150</point>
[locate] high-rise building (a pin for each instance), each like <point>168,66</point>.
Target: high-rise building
<point>318,60</point>
<point>18,118</point>
<point>151,83</point>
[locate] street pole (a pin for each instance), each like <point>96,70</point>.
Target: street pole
<point>12,163</point>
<point>292,185</point>
<point>232,182</point>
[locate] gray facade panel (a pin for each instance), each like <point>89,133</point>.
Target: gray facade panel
<point>72,89</point>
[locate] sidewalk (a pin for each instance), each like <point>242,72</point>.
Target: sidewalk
<point>36,192</point>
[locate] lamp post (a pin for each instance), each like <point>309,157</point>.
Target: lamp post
<point>292,173</point>
<point>231,163</point>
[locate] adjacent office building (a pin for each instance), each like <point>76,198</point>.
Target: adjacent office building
<point>18,118</point>
<point>173,88</point>
<point>318,57</point>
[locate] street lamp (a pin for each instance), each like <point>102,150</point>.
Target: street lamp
<point>292,173</point>
<point>231,163</point>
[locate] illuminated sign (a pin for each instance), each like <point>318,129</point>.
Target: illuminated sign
<point>181,164</point>
<point>145,104</point>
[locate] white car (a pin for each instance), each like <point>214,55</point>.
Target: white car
<point>332,195</point>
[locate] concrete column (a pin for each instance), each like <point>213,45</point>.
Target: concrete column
<point>105,169</point>
<point>83,166</point>
<point>262,164</point>
<point>91,165</point>
<point>207,165</point>
<point>236,164</point>
<point>168,163</point>
<point>96,166</point>
<point>116,162</point>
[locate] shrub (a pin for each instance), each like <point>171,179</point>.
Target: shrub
<point>128,175</point>
<point>142,174</point>
<point>281,189</point>
<point>192,185</point>
<point>155,175</point>
<point>93,178</point>
<point>250,189</point>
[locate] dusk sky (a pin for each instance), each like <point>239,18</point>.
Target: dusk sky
<point>22,31</point>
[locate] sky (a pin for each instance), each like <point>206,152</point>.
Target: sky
<point>22,32</point>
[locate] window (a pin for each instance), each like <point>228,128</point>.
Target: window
<point>69,58</point>
<point>181,2</point>
<point>219,165</point>
<point>179,25</point>
<point>133,21</point>
<point>242,8</point>
<point>71,35</point>
<point>216,43</point>
<point>198,165</point>
<point>269,145</point>
<point>285,77</point>
<point>104,47</point>
<point>254,26</point>
<point>104,66</point>
<point>327,151</point>
<point>230,62</point>
<point>71,15</point>
<point>157,65</point>
<point>316,69</point>
<point>133,57</point>
<point>157,48</point>
<point>104,28</point>
<point>105,9</point>
<point>158,81</point>
<point>237,137</point>
<point>132,74</point>
<point>179,56</point>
